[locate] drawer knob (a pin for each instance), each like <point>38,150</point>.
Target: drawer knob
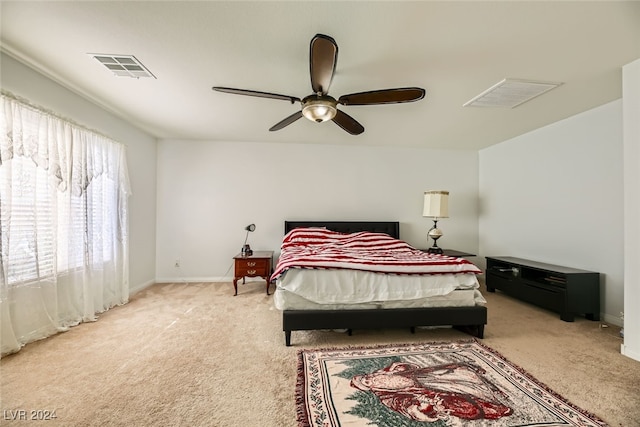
<point>251,264</point>
<point>251,271</point>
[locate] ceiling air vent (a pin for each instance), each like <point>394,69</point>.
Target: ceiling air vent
<point>123,65</point>
<point>510,93</point>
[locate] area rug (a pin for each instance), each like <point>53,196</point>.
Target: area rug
<point>463,383</point>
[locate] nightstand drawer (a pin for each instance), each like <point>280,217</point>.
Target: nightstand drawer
<point>252,267</point>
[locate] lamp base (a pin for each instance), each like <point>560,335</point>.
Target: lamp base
<point>435,250</point>
<point>434,233</point>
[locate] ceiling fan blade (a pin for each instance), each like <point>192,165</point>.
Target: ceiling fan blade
<point>323,55</point>
<point>247,92</point>
<point>348,123</point>
<point>287,121</point>
<point>383,96</point>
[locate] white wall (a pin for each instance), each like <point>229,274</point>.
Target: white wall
<point>555,195</point>
<point>141,156</point>
<point>631,124</point>
<point>209,191</point>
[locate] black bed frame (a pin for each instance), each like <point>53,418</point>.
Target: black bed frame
<point>468,319</point>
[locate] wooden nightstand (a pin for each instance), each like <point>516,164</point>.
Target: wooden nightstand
<point>459,254</point>
<point>453,252</point>
<point>259,264</point>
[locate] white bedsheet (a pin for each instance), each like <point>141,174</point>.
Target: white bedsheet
<point>344,287</point>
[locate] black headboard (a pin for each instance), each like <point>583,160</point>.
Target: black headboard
<point>392,228</point>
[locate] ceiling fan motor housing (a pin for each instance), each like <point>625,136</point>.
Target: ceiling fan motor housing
<point>319,108</point>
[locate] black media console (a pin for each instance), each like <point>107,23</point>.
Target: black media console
<point>565,290</point>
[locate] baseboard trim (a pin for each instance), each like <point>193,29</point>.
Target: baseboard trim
<point>193,279</point>
<point>626,351</point>
<point>141,287</point>
<point>614,320</point>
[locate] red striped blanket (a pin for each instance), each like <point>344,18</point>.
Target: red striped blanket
<point>367,251</point>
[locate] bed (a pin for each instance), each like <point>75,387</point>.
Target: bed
<point>469,315</point>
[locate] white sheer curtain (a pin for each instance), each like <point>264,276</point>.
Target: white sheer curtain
<point>63,224</point>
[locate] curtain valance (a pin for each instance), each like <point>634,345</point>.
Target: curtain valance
<point>73,155</point>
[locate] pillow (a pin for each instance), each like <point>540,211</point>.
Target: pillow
<point>309,234</point>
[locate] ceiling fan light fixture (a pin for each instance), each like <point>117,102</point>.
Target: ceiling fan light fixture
<point>319,108</point>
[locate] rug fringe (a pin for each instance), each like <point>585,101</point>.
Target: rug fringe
<point>302,416</point>
<point>388,345</point>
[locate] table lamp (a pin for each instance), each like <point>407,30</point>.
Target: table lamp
<point>246,249</point>
<point>436,205</point>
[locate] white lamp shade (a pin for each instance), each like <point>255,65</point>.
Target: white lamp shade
<point>436,204</point>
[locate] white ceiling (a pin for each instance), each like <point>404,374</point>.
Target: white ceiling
<point>454,50</point>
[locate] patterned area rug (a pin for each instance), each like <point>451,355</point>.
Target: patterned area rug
<point>425,385</point>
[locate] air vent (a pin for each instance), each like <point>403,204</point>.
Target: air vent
<point>510,93</point>
<point>123,65</point>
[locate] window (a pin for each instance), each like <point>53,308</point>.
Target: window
<point>27,221</point>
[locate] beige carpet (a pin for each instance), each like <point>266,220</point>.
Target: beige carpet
<point>194,355</point>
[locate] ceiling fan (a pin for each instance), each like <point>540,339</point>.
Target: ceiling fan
<point>319,106</point>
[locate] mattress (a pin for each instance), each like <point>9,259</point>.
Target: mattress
<point>284,300</point>
<point>329,289</point>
